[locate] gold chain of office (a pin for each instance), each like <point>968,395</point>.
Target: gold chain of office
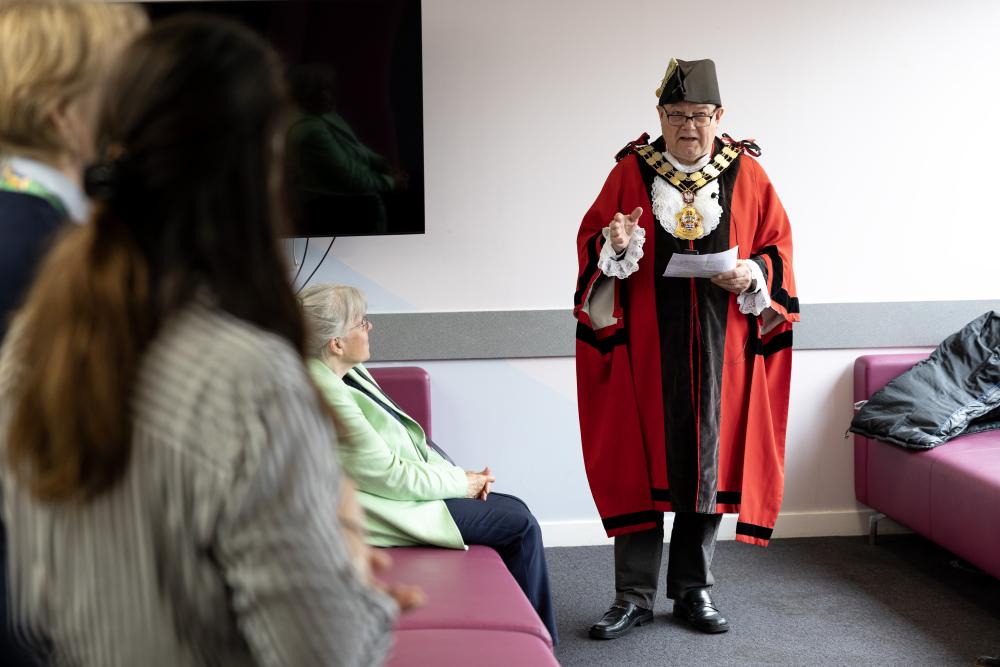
<point>689,220</point>
<point>689,182</point>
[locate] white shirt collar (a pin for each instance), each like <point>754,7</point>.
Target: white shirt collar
<point>689,168</point>
<point>66,191</point>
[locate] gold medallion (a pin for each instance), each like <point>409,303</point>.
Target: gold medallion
<point>689,224</point>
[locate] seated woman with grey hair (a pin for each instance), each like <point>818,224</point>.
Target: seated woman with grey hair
<point>411,494</point>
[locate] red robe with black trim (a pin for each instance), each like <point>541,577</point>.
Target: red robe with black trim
<point>683,399</point>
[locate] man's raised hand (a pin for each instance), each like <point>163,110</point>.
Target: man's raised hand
<point>622,226</point>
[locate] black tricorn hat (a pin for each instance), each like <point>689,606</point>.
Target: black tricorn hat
<point>690,81</point>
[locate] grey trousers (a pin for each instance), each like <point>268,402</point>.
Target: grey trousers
<point>638,557</point>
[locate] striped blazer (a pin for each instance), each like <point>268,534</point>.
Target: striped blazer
<point>220,545</point>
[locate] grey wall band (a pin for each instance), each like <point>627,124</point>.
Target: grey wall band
<point>512,334</point>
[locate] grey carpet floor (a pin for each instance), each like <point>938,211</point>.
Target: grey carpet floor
<point>810,601</point>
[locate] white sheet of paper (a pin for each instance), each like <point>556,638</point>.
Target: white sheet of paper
<point>700,266</point>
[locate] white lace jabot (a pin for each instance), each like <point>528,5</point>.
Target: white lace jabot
<point>668,202</point>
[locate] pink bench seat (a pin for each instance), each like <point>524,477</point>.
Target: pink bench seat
<point>462,648</point>
<point>475,614</point>
<point>465,589</point>
<point>949,494</point>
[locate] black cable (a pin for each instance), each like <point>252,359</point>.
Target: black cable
<point>301,262</point>
<point>321,260</point>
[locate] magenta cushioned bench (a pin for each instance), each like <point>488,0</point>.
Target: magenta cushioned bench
<point>475,611</point>
<point>949,494</point>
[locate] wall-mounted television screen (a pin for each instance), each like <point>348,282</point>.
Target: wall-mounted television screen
<point>354,149</point>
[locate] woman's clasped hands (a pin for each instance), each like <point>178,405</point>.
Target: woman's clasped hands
<point>480,483</point>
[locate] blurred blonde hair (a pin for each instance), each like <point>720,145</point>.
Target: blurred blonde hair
<point>330,312</point>
<point>51,52</point>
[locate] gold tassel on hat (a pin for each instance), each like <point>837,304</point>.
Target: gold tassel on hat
<point>666,77</point>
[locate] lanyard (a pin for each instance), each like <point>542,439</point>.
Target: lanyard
<point>11,181</point>
<point>381,401</point>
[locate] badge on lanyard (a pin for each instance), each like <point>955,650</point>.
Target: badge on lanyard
<point>11,181</point>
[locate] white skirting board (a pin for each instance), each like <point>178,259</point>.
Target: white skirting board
<point>790,524</point>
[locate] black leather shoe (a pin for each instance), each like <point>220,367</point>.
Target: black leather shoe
<point>696,607</point>
<point>620,619</point>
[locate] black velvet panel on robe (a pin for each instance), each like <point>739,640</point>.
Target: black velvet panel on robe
<point>692,315</point>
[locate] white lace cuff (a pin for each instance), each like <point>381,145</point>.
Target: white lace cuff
<point>754,303</point>
<point>621,265</point>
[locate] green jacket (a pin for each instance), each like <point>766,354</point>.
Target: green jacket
<point>402,482</point>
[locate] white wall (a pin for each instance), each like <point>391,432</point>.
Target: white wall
<point>873,117</point>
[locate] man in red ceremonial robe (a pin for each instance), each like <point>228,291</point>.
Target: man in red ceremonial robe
<point>683,381</point>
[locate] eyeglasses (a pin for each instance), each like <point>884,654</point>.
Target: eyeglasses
<point>699,119</point>
<point>365,324</point>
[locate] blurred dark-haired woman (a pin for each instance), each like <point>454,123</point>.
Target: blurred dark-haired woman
<point>169,485</point>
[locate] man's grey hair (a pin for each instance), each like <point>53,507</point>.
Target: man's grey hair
<point>331,311</point>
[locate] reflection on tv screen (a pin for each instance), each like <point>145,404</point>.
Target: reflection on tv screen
<point>354,148</point>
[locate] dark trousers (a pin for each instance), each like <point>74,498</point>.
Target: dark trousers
<point>638,557</point>
<point>506,524</point>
